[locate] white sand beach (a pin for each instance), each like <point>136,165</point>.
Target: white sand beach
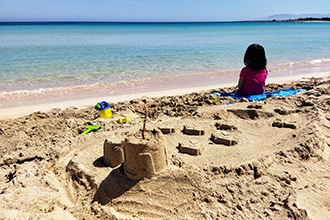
<point>272,160</point>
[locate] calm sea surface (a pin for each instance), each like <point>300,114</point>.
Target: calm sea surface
<point>68,58</point>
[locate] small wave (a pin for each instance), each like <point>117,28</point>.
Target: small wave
<point>305,62</point>
<point>320,61</point>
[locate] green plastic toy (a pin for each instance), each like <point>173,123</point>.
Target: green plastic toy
<point>98,106</point>
<point>90,128</point>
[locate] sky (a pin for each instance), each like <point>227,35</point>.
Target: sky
<point>155,10</point>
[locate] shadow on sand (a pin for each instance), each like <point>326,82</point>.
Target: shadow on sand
<point>113,186</point>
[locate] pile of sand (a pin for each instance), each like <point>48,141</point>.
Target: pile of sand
<point>276,164</point>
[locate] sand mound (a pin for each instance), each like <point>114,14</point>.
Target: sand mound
<point>260,160</point>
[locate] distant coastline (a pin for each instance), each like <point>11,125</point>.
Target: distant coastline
<point>304,19</point>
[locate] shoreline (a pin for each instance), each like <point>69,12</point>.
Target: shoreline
<point>14,112</point>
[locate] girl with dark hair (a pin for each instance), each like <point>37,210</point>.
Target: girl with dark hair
<point>252,78</point>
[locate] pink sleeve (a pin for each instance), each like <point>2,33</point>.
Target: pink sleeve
<point>243,73</point>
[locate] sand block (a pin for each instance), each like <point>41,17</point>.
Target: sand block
<point>144,158</point>
<point>166,130</point>
<point>283,111</point>
<point>280,124</point>
<point>218,139</point>
<point>113,155</point>
<point>225,126</point>
<point>255,106</point>
<point>191,148</point>
<point>193,130</point>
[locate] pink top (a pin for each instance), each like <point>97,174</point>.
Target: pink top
<point>253,81</point>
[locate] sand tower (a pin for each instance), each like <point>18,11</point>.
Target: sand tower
<point>113,154</point>
<point>144,156</point>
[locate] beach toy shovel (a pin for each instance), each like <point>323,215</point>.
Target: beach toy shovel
<point>90,128</point>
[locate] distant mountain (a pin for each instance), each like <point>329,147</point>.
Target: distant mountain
<point>292,16</point>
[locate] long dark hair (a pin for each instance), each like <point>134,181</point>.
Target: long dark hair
<point>255,57</point>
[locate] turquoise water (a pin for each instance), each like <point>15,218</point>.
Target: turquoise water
<point>55,57</point>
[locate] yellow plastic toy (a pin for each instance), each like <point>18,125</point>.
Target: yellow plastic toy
<point>106,113</point>
<point>123,120</point>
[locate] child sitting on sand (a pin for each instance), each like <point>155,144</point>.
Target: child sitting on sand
<point>252,78</point>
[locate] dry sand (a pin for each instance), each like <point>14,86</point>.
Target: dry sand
<point>279,167</point>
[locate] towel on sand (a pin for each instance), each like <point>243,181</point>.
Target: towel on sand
<point>263,96</point>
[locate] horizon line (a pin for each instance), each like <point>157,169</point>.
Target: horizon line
<point>132,22</point>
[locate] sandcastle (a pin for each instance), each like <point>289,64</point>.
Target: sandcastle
<point>143,155</point>
<point>113,154</point>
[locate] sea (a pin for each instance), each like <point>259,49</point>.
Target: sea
<point>55,61</point>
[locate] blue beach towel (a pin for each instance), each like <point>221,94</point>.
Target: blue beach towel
<point>285,92</point>
<point>263,96</point>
